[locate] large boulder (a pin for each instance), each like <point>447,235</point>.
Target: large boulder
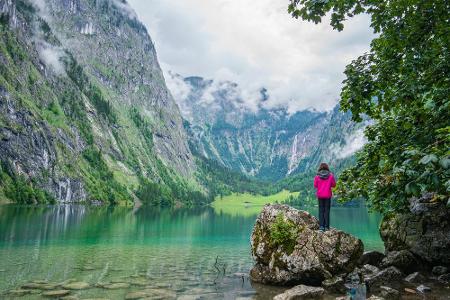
<point>289,249</point>
<point>424,230</point>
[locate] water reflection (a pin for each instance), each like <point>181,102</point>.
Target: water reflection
<point>176,249</point>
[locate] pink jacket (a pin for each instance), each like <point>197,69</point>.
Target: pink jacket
<point>323,186</point>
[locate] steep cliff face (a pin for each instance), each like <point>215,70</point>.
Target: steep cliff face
<point>84,109</point>
<point>265,142</point>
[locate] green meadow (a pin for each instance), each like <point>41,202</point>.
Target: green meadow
<point>247,204</point>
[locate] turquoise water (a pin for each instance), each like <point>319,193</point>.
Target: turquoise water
<point>166,253</point>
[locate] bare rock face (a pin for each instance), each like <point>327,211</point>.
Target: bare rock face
<point>289,249</point>
<point>424,230</point>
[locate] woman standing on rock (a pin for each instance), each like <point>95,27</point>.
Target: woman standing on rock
<point>323,183</point>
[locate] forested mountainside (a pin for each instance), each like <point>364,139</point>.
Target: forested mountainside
<point>85,113</point>
<point>267,143</point>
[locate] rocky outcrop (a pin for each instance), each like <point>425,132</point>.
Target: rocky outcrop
<point>84,107</point>
<point>424,230</point>
<point>289,249</point>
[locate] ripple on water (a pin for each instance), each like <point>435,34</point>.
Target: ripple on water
<point>115,252</point>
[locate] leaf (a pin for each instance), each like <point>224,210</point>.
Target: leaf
<point>429,104</point>
<point>435,180</point>
<point>445,162</point>
<point>411,152</point>
<point>431,158</point>
<point>412,188</point>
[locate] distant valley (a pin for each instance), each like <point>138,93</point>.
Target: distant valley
<point>268,143</point>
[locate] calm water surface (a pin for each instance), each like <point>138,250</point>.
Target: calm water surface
<point>180,253</point>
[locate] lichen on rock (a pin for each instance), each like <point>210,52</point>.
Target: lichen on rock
<point>289,249</point>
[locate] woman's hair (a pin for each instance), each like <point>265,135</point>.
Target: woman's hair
<point>324,166</point>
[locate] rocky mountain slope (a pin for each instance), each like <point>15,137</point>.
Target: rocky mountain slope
<point>84,109</point>
<point>269,143</point>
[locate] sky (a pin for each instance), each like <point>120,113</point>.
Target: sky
<point>255,44</point>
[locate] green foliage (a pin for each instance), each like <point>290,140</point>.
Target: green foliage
<point>65,102</point>
<point>12,45</point>
<point>222,181</point>
<point>92,91</point>
<point>180,191</point>
<point>283,233</point>
<point>143,125</point>
<point>100,180</point>
<point>4,19</point>
<point>20,190</point>
<point>73,107</point>
<point>402,84</point>
<point>26,9</point>
<point>154,194</point>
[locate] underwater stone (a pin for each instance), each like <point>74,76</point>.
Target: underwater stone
<point>56,293</point>
<point>79,285</point>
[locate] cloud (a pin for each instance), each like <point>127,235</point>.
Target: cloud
<point>125,8</point>
<point>353,142</point>
<point>256,44</point>
<point>176,84</point>
<point>51,56</point>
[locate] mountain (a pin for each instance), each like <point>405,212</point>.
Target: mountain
<point>85,113</point>
<point>269,143</point>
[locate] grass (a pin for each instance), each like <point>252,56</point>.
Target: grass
<point>248,204</point>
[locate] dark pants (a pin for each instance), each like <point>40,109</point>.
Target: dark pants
<point>324,212</point>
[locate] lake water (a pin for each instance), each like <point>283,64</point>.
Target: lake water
<point>167,253</point>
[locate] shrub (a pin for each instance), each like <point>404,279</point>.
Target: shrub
<point>283,233</point>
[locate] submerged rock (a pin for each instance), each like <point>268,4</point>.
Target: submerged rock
<point>137,295</point>
<point>161,293</point>
<point>289,249</point>
<point>424,230</point>
<point>18,292</point>
<point>301,292</point>
<point>78,285</point>
<point>40,285</point>
<point>116,286</point>
<point>56,294</point>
